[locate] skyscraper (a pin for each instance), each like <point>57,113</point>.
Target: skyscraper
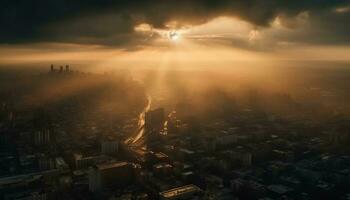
<point>109,146</point>
<point>110,175</point>
<point>154,119</point>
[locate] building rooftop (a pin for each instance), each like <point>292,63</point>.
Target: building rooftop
<point>179,191</point>
<point>161,155</point>
<point>279,189</point>
<point>111,165</point>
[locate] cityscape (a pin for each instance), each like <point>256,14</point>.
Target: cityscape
<point>70,148</point>
<point>175,100</point>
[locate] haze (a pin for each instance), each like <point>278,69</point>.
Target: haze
<point>175,99</point>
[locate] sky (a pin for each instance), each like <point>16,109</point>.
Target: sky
<point>173,32</point>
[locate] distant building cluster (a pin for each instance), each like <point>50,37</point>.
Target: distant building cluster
<point>61,69</point>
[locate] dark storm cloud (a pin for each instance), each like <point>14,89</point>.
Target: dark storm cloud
<point>111,22</point>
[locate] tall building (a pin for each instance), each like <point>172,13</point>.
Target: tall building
<point>46,163</point>
<point>109,146</point>
<point>244,156</point>
<point>110,175</point>
<point>42,137</point>
<point>83,162</point>
<point>154,119</point>
<point>52,69</point>
<point>67,68</point>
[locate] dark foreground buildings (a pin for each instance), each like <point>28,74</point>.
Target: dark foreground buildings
<point>68,149</point>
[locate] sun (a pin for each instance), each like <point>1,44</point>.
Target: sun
<point>173,36</point>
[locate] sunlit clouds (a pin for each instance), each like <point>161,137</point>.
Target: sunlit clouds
<point>219,42</point>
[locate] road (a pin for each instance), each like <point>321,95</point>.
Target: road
<point>137,138</point>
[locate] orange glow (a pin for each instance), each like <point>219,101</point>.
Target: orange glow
<point>217,44</point>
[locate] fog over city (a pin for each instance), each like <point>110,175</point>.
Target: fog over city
<point>165,99</point>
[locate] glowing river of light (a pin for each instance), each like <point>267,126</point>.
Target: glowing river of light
<point>141,123</point>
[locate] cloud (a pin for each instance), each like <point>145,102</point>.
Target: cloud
<point>112,22</point>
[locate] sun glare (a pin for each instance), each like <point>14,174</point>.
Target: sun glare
<point>173,36</point>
